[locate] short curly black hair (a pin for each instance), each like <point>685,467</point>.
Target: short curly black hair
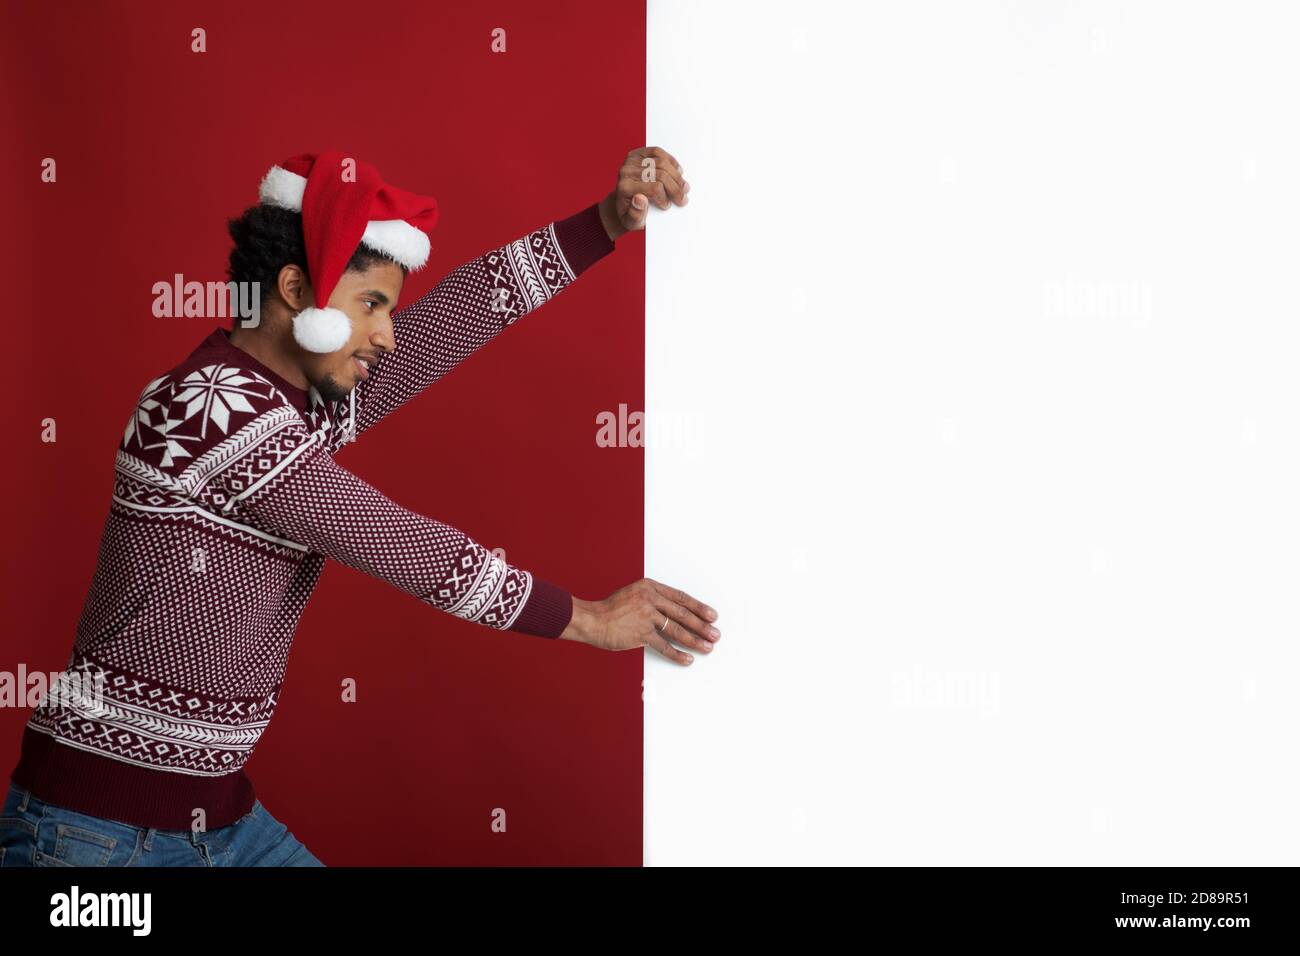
<point>268,238</point>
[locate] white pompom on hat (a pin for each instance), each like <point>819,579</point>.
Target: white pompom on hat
<point>344,204</point>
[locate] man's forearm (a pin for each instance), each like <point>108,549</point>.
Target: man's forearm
<point>477,301</point>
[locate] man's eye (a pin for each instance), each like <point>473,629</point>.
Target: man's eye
<point>371,303</point>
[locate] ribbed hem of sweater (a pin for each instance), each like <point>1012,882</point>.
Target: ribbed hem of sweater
<point>88,783</point>
<point>583,238</point>
<point>547,611</point>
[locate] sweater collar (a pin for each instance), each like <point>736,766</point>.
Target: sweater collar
<point>219,342</point>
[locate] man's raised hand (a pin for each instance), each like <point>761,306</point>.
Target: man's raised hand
<point>649,175</point>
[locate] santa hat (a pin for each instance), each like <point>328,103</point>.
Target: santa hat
<point>344,204</point>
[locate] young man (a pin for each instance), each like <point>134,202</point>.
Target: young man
<point>227,501</point>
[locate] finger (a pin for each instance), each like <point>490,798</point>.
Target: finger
<point>659,645</point>
<point>685,627</point>
<point>635,212</point>
<point>646,169</point>
<point>679,596</point>
<point>676,187</point>
<point>662,155</point>
<point>658,194</point>
<point>663,193</point>
<point>671,179</point>
<point>668,175</point>
<point>659,167</point>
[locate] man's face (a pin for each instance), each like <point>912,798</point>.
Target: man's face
<point>369,299</point>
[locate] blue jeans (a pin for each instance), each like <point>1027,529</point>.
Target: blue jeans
<point>36,833</point>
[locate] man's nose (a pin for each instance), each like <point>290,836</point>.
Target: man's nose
<point>382,337</point>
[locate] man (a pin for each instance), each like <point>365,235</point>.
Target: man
<point>227,501</point>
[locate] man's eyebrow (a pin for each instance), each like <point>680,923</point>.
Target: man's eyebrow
<point>376,294</point>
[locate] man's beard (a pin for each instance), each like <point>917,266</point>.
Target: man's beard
<point>330,390</point>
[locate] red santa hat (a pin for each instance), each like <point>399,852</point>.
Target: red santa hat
<point>344,204</point>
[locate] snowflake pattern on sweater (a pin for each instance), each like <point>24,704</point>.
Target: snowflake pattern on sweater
<point>227,501</point>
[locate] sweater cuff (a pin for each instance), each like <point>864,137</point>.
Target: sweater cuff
<point>583,239</point>
<point>547,611</point>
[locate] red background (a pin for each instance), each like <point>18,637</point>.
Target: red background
<point>156,147</point>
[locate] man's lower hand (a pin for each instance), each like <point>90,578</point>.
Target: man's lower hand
<point>646,613</point>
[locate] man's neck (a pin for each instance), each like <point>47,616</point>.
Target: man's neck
<point>263,348</point>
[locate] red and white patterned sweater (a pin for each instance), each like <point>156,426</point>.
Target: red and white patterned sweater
<point>226,503</point>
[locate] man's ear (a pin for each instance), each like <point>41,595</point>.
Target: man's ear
<point>293,287</point>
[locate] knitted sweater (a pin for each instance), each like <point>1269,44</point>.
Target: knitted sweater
<point>226,502</point>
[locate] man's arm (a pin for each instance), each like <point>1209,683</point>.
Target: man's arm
<point>287,483</point>
<point>476,302</point>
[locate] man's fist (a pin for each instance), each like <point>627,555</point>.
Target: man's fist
<point>648,175</point>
